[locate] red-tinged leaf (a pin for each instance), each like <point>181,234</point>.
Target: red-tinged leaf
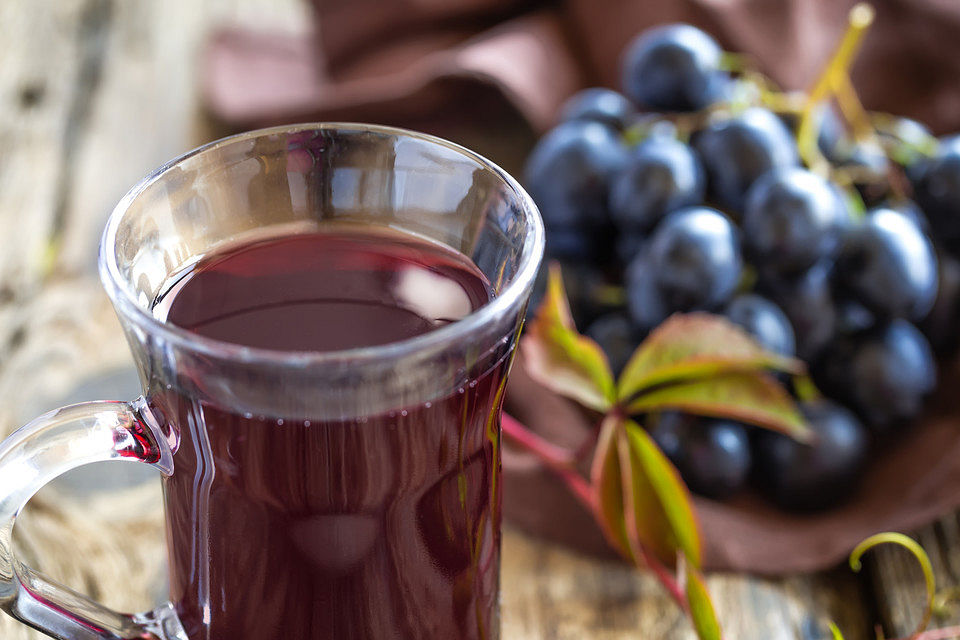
<point>658,508</point>
<point>606,480</point>
<point>645,523</point>
<point>696,345</point>
<point>755,398</point>
<point>702,614</point>
<point>561,359</point>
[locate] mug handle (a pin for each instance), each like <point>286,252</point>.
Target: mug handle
<point>45,448</point>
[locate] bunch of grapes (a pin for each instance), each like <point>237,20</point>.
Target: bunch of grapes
<point>830,234</point>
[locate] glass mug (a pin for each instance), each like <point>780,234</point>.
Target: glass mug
<point>380,520</point>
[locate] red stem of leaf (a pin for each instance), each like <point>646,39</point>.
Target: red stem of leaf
<point>588,445</point>
<point>558,459</point>
<point>561,461</point>
<point>668,581</point>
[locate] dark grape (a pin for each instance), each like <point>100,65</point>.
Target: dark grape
<point>644,300</point>
<point>674,67</point>
<point>888,265</point>
<point>538,292</point>
<point>661,175</point>
<point>616,336</point>
<point>853,317</point>
<point>817,475</point>
<point>737,150</point>
<point>712,456</point>
<point>765,321</point>
<point>629,246</point>
<point>694,257</point>
<point>568,174</point>
<point>883,374</point>
<point>576,245</point>
<point>910,209</point>
<point>808,303</point>
<point>937,190</point>
<point>600,105</point>
<point>942,324</point>
<point>583,284</point>
<point>792,219</point>
<point>846,291</point>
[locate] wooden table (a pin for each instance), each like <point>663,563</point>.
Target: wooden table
<point>94,94</point>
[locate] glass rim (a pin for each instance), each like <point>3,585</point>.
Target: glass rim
<point>130,309</point>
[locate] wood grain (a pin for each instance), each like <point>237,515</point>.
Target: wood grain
<point>145,106</point>
<point>43,54</point>
<point>551,593</point>
<point>897,583</point>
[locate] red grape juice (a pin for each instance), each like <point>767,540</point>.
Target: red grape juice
<point>379,527</point>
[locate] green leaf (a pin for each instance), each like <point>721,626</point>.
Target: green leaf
<point>913,547</point>
<point>607,481</point>
<point>657,505</point>
<point>805,389</point>
<point>702,613</point>
<point>696,345</point>
<point>835,632</point>
<point>561,359</point>
<point>755,398</point>
<point>643,506</point>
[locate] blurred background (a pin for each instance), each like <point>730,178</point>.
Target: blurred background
<point>141,82</point>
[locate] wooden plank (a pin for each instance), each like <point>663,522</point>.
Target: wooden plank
<point>898,584</point>
<point>550,593</point>
<point>145,108</point>
<point>41,62</point>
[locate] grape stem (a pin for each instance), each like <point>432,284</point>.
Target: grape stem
<point>667,581</point>
<point>861,17</point>
<point>852,108</point>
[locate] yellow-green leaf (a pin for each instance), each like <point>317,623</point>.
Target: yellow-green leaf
<point>658,509</point>
<point>702,613</point>
<point>561,359</point>
<point>646,525</point>
<point>696,345</point>
<point>755,398</point>
<point>607,481</point>
<point>835,632</point>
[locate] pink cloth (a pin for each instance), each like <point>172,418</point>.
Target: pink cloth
<point>398,61</point>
